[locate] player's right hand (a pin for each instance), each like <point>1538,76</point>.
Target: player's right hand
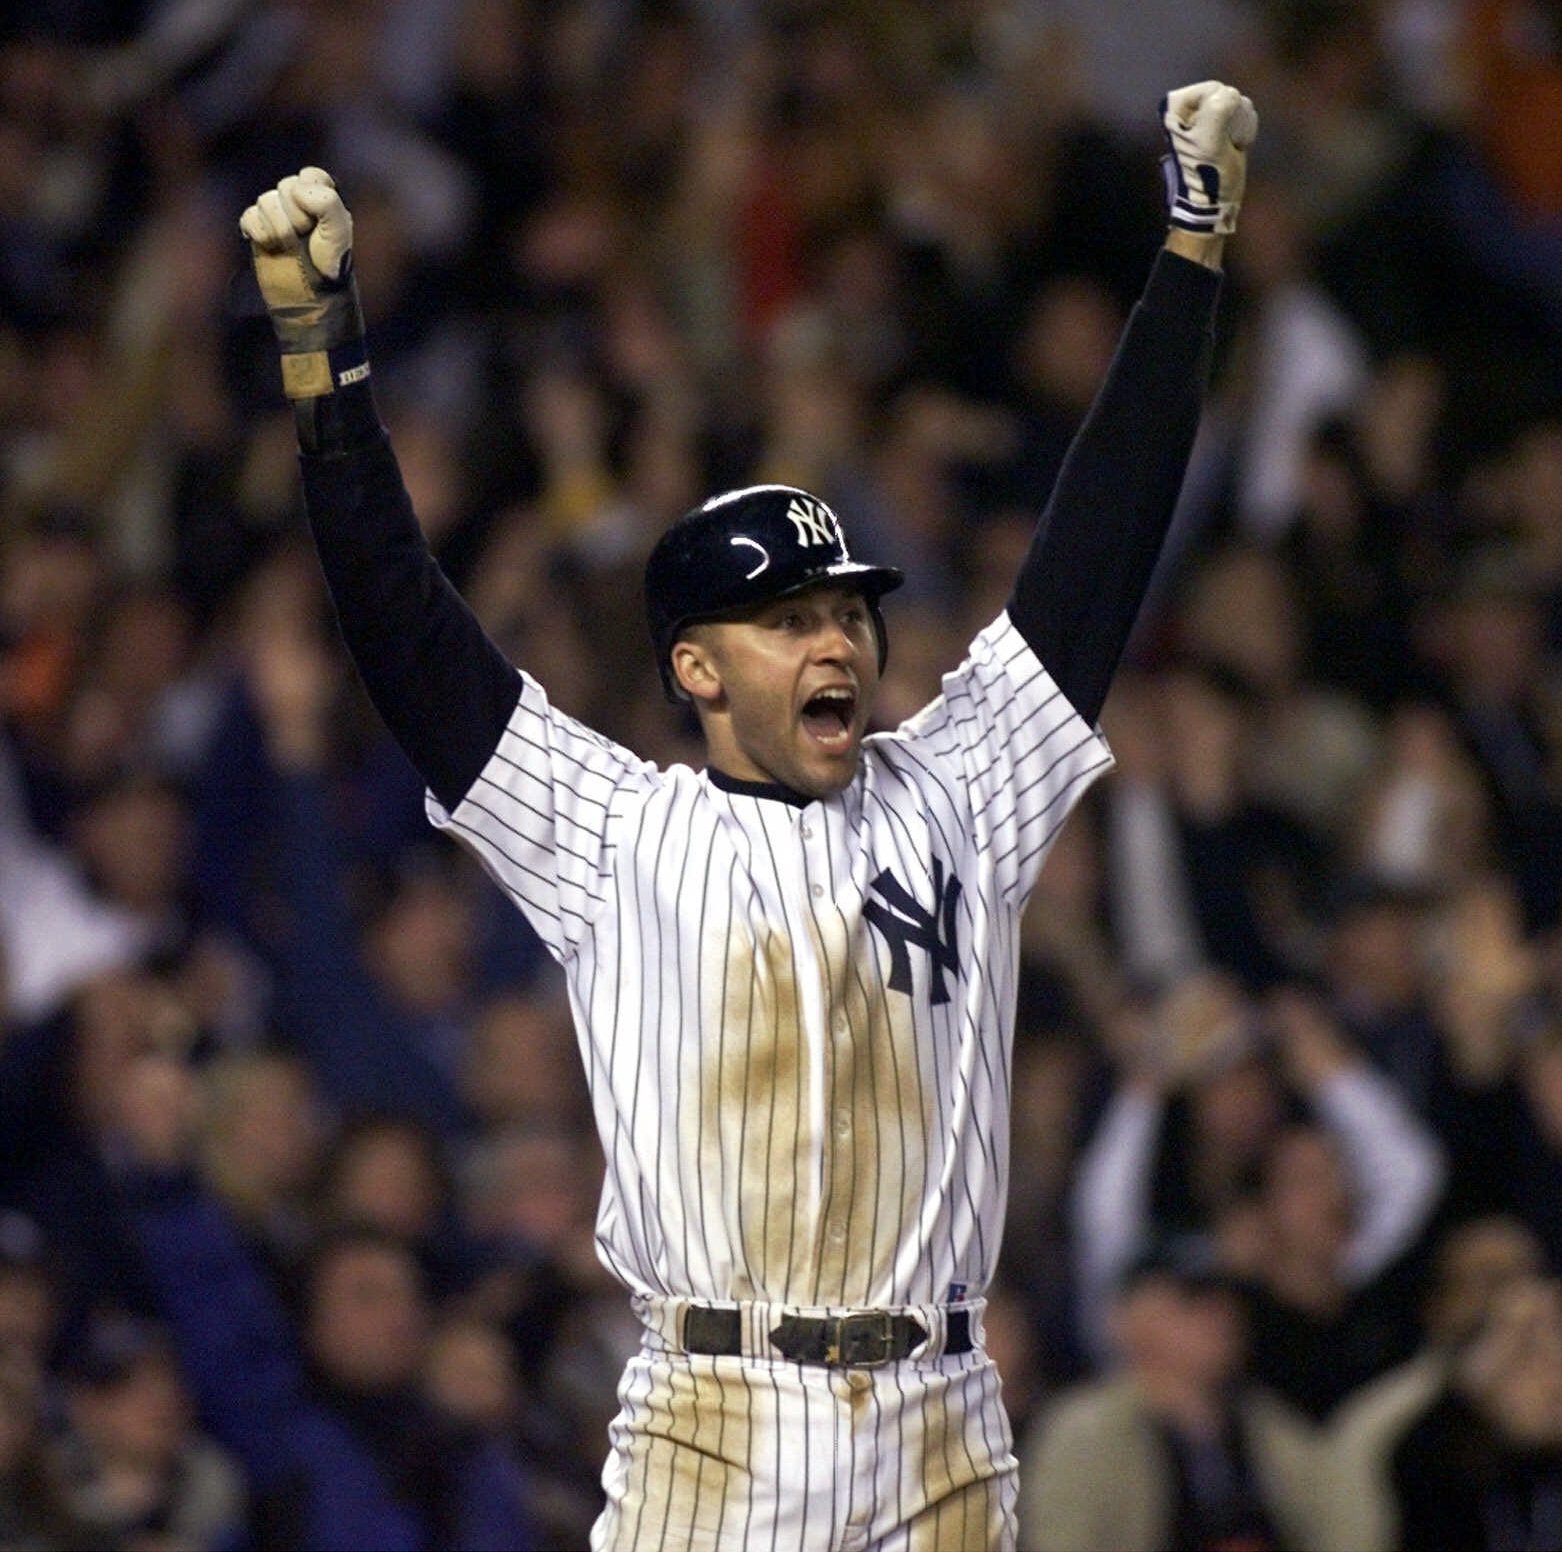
<point>1209,127</point>
<point>300,235</point>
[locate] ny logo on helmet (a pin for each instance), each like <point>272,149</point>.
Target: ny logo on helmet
<point>814,521</point>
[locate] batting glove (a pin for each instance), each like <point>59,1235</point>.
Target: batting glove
<point>1208,130</point>
<point>301,237</point>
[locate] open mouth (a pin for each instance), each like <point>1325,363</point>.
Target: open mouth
<point>828,716</point>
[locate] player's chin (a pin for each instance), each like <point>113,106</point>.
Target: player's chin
<point>830,767</point>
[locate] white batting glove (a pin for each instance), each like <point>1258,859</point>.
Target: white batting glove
<point>301,236</point>
<point>1209,128</point>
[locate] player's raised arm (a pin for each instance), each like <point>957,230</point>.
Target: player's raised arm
<point>444,690</point>
<point>1089,566</point>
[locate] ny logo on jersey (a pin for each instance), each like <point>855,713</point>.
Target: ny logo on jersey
<point>906,923</point>
<point>814,521</point>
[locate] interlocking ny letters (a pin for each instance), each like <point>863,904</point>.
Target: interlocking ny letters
<point>814,522</point>
<point>906,922</point>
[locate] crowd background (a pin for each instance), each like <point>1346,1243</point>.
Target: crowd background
<point>297,1183</point>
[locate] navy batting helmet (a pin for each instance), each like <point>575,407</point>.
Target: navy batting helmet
<point>744,548</point>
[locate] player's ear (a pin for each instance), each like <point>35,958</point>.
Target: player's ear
<point>695,669</point>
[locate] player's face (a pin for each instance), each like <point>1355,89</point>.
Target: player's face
<point>787,690</point>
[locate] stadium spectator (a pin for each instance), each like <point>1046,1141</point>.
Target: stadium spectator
<point>326,1415</point>
<point>1482,1467</point>
<point>1178,1446</point>
<point>1472,1264</point>
<point>136,1470</point>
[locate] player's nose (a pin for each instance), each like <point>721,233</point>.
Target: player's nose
<point>834,642</point>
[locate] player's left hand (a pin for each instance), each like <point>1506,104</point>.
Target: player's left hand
<point>1208,127</point>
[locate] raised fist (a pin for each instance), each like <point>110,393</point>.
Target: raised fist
<point>1209,128</point>
<point>300,236</point>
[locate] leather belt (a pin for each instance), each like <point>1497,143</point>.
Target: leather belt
<point>862,1340</point>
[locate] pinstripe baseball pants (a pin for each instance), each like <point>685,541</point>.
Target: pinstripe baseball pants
<point>760,1453</point>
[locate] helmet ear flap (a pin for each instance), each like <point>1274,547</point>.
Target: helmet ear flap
<point>882,631</point>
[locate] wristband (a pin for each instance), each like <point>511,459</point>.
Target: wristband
<point>310,374</point>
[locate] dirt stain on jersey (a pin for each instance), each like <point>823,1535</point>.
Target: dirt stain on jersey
<point>767,1120</point>
<point>757,1115</point>
<point>878,1108</point>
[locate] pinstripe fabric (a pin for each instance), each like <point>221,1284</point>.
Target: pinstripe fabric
<point>734,1453</point>
<point>796,1023</point>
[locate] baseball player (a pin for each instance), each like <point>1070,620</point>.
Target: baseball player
<point>793,972</point>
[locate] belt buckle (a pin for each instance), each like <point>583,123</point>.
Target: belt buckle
<point>862,1341</point>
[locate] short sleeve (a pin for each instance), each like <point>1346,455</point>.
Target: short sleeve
<point>541,815</point>
<point>1025,754</point>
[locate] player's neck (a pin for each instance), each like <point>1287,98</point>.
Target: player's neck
<point>757,789</point>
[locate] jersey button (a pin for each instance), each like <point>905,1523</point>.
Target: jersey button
<point>818,890</point>
<point>843,1126</point>
<point>808,832</point>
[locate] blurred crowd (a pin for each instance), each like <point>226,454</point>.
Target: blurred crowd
<point>297,1181</point>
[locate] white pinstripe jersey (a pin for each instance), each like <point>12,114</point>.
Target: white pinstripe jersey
<point>796,1020</point>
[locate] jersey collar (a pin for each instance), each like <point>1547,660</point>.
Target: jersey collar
<point>757,789</point>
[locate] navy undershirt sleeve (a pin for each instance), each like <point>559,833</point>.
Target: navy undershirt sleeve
<point>446,692</point>
<point>443,688</point>
<point>1090,562</point>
